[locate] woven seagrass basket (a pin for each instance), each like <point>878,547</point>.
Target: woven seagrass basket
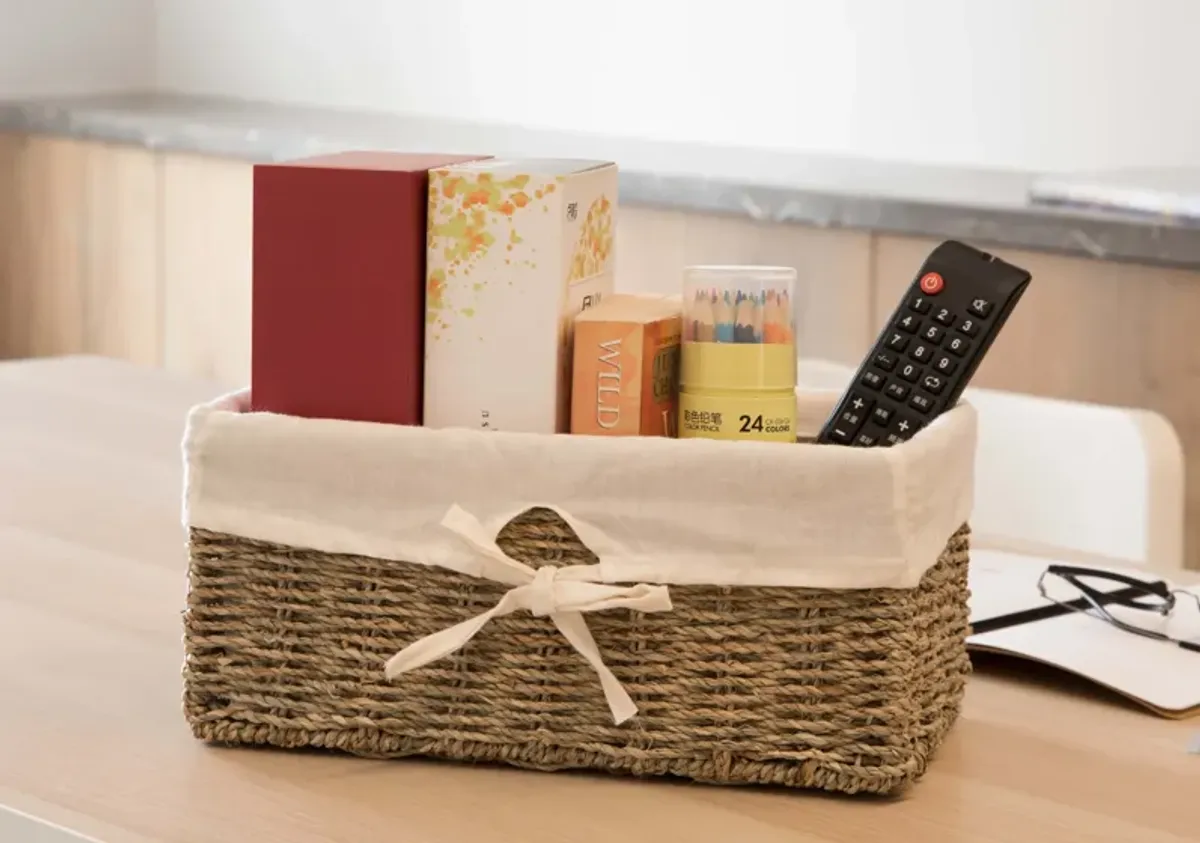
<point>844,690</point>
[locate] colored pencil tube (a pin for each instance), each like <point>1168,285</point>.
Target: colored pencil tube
<point>738,368</point>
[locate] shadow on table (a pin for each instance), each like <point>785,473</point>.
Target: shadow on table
<point>1045,677</point>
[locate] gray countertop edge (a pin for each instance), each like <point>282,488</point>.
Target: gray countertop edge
<point>983,207</point>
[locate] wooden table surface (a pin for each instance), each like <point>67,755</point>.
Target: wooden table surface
<point>92,582</point>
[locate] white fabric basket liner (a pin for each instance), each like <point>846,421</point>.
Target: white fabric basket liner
<point>652,510</point>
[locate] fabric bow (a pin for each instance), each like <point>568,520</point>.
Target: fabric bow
<point>561,594</point>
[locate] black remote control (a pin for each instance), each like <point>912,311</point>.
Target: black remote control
<point>929,349</point>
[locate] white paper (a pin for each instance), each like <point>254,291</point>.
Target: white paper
<point>1158,673</point>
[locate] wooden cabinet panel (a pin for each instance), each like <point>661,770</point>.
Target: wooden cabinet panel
<point>122,302</point>
<point>206,264</point>
<point>45,314</point>
<point>649,250</point>
<point>832,299</point>
<point>833,268</point>
<point>1109,333</point>
<point>11,147</point>
<point>1070,337</point>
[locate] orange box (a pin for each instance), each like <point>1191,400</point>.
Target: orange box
<point>626,367</point>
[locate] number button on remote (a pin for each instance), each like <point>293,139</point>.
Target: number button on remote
<point>970,327</point>
<point>921,402</point>
<point>980,307</point>
<point>872,379</point>
<point>945,365</point>
<point>910,372</point>
<point>943,315</point>
<point>958,346</point>
<point>897,391</point>
<point>897,342</point>
<point>909,324</point>
<point>884,361</point>
<point>934,384</point>
<point>921,353</point>
<point>918,304</point>
<point>932,334</point>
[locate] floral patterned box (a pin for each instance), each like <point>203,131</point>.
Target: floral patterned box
<point>516,248</point>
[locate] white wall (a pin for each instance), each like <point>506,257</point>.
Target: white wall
<point>66,47</point>
<point>1010,83</point>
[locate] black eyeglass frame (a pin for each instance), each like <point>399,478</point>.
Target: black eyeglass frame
<point>1132,596</point>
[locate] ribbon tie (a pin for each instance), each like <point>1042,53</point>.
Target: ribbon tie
<point>561,594</point>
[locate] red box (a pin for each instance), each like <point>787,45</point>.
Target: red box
<point>339,285</point>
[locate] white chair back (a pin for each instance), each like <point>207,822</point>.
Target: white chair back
<point>1067,479</point>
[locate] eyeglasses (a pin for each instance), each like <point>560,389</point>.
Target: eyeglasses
<point>1155,596</point>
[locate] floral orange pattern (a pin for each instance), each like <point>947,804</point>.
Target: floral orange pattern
<point>595,241</point>
<point>469,215</point>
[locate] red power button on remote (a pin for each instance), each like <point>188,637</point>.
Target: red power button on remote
<point>932,283</point>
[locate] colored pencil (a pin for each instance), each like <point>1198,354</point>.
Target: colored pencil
<point>743,330</point>
<point>723,318</point>
<point>704,318</point>
<point>739,316</point>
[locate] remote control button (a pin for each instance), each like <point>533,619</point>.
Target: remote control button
<point>910,372</point>
<point>934,384</point>
<point>943,315</point>
<point>970,327</point>
<point>839,434</point>
<point>850,420</point>
<point>897,390</point>
<point>921,402</point>
<point>980,307</point>
<point>865,440</point>
<point>932,283</point>
<point>918,304</point>
<point>897,342</point>
<point>881,415</point>
<point>921,353</point>
<point>902,426</point>
<point>909,324</point>
<point>933,334</point>
<point>900,430</point>
<point>958,346</point>
<point>872,379</point>
<point>860,404</point>
<point>945,365</point>
<point>884,361</point>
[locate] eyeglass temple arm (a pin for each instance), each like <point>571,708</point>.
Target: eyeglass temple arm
<point>1071,572</point>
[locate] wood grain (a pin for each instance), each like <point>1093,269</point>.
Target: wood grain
<point>11,149</point>
<point>122,299</point>
<point>1110,333</point>
<point>91,559</point>
<point>649,250</point>
<point>206,242</point>
<point>46,275</point>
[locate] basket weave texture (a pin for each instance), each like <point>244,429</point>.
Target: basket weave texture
<point>847,691</point>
